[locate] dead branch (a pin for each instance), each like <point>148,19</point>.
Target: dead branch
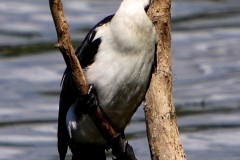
<point>161,121</point>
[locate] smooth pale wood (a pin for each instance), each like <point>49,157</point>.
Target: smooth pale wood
<point>65,46</point>
<point>161,120</point>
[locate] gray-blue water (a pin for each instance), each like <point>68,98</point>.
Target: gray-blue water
<point>206,68</point>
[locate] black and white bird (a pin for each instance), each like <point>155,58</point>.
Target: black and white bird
<point>118,57</point>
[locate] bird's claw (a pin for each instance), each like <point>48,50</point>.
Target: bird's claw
<point>88,102</point>
<point>122,150</point>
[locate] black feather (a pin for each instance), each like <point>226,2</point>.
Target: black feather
<point>88,49</point>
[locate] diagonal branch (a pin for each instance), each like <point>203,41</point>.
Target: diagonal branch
<point>65,46</point>
<point>72,62</point>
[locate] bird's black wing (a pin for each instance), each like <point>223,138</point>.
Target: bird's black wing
<point>85,53</point>
<point>88,49</point>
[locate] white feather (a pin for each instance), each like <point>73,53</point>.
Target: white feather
<point>121,69</point>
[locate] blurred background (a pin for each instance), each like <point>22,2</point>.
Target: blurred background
<point>206,69</point>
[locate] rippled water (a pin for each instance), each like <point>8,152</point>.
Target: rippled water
<point>206,68</point>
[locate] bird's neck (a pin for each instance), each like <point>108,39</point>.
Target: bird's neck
<point>132,23</point>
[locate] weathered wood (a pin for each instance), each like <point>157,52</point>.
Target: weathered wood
<point>65,46</point>
<point>161,120</point>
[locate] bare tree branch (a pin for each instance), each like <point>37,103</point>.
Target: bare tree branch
<point>161,121</point>
<point>65,46</point>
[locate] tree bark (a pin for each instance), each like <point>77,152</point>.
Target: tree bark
<point>65,46</point>
<point>161,120</point>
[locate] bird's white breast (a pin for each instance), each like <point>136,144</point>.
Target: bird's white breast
<point>120,73</point>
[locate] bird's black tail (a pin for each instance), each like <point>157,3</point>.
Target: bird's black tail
<point>88,152</point>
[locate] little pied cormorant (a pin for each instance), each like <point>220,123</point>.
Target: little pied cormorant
<point>118,57</point>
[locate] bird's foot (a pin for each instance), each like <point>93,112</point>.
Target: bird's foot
<point>88,102</point>
<point>122,150</point>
